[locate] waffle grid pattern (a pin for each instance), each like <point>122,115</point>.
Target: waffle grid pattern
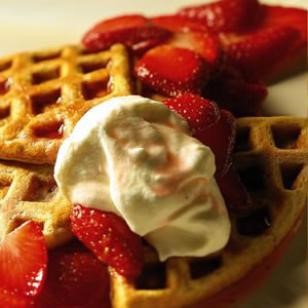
<point>29,192</point>
<point>43,94</point>
<point>277,148</point>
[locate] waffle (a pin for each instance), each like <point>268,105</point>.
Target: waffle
<point>44,93</point>
<point>271,156</point>
<point>29,192</point>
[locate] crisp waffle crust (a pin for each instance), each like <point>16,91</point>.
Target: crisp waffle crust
<point>44,93</point>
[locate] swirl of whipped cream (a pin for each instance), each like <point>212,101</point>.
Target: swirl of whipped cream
<point>133,156</point>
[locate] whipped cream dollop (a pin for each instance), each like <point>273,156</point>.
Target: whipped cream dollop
<point>133,156</point>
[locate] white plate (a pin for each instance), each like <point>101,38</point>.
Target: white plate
<point>43,23</point>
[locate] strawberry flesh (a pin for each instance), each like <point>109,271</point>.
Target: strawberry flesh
<point>220,138</point>
<point>203,43</point>
<point>170,70</point>
<point>134,31</point>
<point>294,59</point>
<point>256,55</point>
<point>200,113</point>
<point>191,34</point>
<point>15,301</point>
<point>225,15</point>
<point>176,23</point>
<point>109,238</point>
<point>285,16</point>
<point>211,126</point>
<point>23,263</point>
<point>121,22</point>
<point>274,49</point>
<point>76,278</point>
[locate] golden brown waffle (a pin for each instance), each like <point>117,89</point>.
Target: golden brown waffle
<point>42,96</point>
<point>272,158</point>
<point>44,93</point>
<point>29,192</point>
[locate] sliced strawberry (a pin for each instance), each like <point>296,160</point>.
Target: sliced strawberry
<point>232,92</point>
<point>203,43</point>
<point>122,22</point>
<point>76,278</point>
<point>212,127</point>
<point>191,34</point>
<point>134,31</point>
<point>233,190</point>
<point>109,238</point>
<point>15,301</point>
<point>176,23</point>
<point>257,54</point>
<point>295,55</point>
<point>200,113</point>
<point>225,15</point>
<point>220,137</point>
<point>23,262</point>
<point>170,70</point>
<point>285,16</point>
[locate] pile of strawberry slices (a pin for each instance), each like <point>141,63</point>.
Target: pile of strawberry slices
<point>226,51</point>
<point>205,62</point>
<point>69,276</point>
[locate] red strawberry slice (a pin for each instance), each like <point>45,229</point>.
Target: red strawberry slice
<point>191,34</point>
<point>170,70</point>
<point>76,278</point>
<point>176,23</point>
<point>122,22</point>
<point>220,137</point>
<point>233,190</point>
<point>295,57</point>
<point>109,238</point>
<point>15,301</point>
<point>285,16</point>
<point>134,31</point>
<point>232,92</point>
<point>23,262</point>
<point>212,127</point>
<point>257,54</point>
<point>225,15</point>
<point>200,113</point>
<point>205,44</point>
